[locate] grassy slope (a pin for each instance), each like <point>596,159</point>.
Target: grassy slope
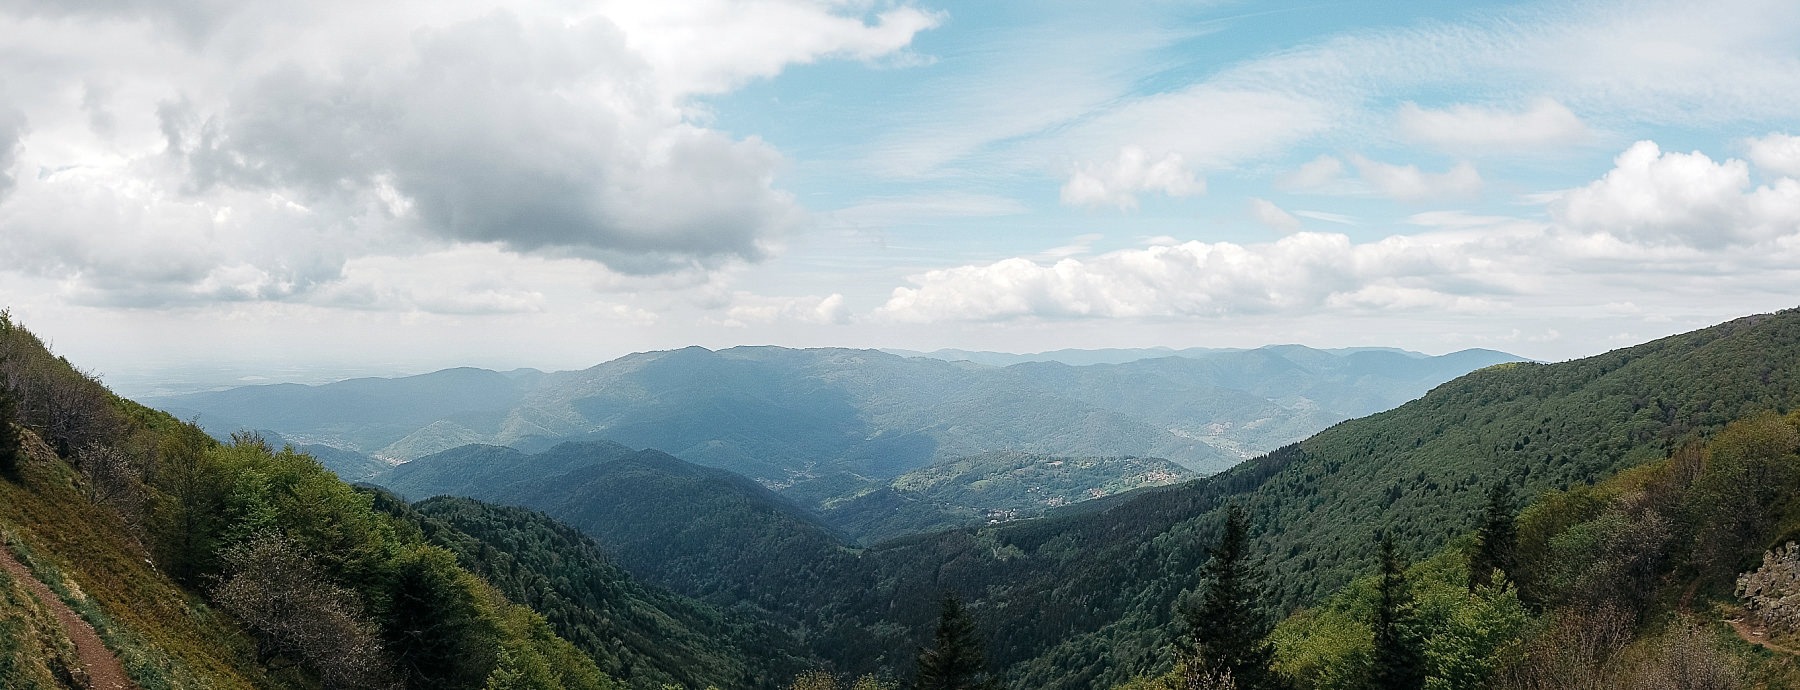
<point>34,651</point>
<point>166,637</point>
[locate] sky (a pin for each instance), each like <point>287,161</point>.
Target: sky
<point>276,190</point>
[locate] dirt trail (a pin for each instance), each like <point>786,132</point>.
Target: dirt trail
<point>103,669</point>
<point>1752,634</point>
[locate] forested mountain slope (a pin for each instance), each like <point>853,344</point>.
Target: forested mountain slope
<point>642,633</point>
<point>702,531</point>
<point>209,565</point>
<point>1072,601</point>
<point>781,416</point>
<point>987,488</point>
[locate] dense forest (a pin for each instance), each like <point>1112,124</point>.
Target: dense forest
<point>1583,524</point>
<point>232,565</point>
<point>1092,597</point>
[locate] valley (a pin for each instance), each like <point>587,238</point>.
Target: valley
<point>846,571</point>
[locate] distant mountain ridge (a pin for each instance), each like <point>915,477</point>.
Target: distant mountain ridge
<point>1112,355</point>
<point>782,416</point>
<point>1086,597</point>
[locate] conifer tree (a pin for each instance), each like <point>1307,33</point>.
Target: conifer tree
<point>1226,628</point>
<point>1399,660</point>
<point>1496,540</point>
<point>9,435</point>
<point>956,661</point>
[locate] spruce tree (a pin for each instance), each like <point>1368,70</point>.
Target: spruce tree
<point>1226,628</point>
<point>9,434</point>
<point>1496,540</point>
<point>1399,660</point>
<point>955,662</point>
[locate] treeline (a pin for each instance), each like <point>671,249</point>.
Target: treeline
<point>1621,584</point>
<point>332,591</point>
<point>639,633</point>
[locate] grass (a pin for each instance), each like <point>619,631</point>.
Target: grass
<point>166,637</point>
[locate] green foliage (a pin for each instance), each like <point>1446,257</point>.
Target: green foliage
<point>436,628</point>
<point>1496,541</point>
<point>9,435</point>
<point>955,660</point>
<point>445,626</point>
<point>997,486</point>
<point>34,652</point>
<point>1466,636</point>
<point>641,634</point>
<point>1226,626</point>
<point>1082,600</point>
<point>1398,658</point>
<point>823,680</point>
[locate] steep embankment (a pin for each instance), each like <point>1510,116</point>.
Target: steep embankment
<point>98,667</point>
<point>209,565</point>
<point>162,634</point>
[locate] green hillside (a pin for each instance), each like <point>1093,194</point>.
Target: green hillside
<point>987,488</point>
<point>208,565</point>
<point>1085,599</point>
<point>645,634</point>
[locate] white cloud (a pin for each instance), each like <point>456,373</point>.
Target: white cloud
<point>1272,216</point>
<point>1409,183</point>
<point>1318,174</point>
<point>1656,222</point>
<point>1490,130</point>
<point>1776,153</point>
<point>1118,182</point>
<point>749,309</point>
<point>710,46</point>
<point>1300,272</point>
<point>1328,175</point>
<point>1687,199</point>
<point>251,151</point>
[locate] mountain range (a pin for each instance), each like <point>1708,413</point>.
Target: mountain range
<point>1416,473</point>
<point>784,416</point>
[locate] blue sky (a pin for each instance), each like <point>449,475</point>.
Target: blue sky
<point>291,188</point>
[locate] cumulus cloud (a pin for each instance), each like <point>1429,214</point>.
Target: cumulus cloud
<point>1273,217</point>
<point>1299,272</point>
<point>747,308</point>
<point>1776,153</point>
<point>1118,182</point>
<point>709,46</point>
<point>538,135</point>
<point>1654,220</point>
<point>252,151</point>
<point>1658,198</point>
<point>1492,130</point>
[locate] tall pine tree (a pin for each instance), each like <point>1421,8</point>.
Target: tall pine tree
<point>1399,660</point>
<point>956,661</point>
<point>1226,627</point>
<point>9,434</point>
<point>1496,541</point>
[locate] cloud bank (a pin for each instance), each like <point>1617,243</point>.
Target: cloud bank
<point>254,151</point>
